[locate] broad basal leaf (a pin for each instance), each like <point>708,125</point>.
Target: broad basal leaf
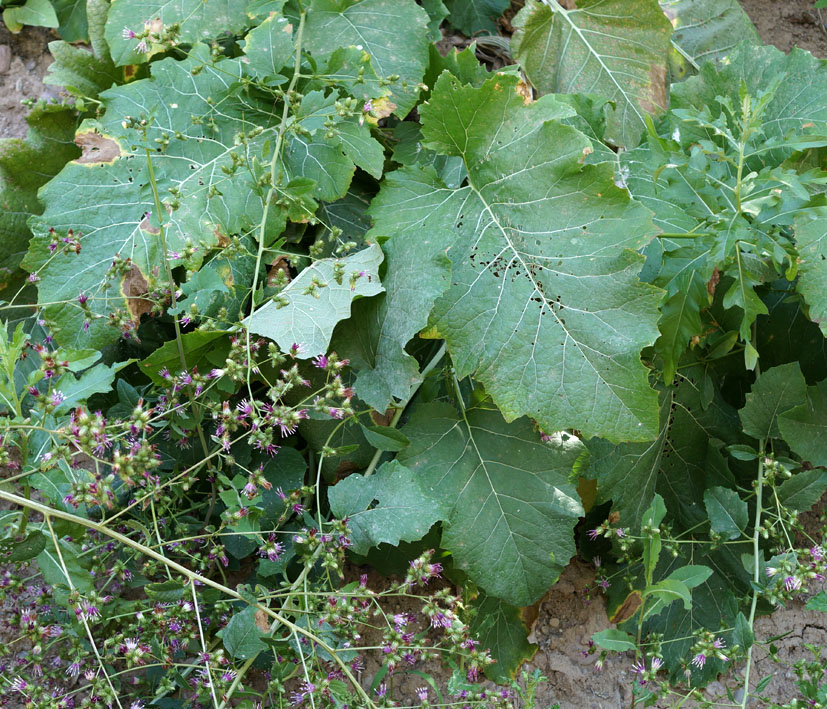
<point>811,238</point>
<point>106,195</point>
<point>417,271</point>
<point>707,30</point>
<point>803,490</point>
<point>545,306</point>
<point>677,463</point>
<point>617,49</point>
<point>798,82</point>
<point>775,391</point>
<point>500,628</point>
<point>506,496</point>
<point>390,506</point>
<point>472,17</point>
<point>269,47</point>
<point>308,308</point>
<point>198,21</point>
<point>804,427</point>
<point>393,32</point>
<point>71,14</point>
<point>25,165</point>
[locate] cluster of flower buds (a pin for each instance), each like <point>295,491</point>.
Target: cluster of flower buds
<point>707,646</point>
<point>329,547</point>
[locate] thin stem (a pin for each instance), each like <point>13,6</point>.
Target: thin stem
<point>756,571</point>
<point>271,192</point>
<point>435,360</point>
<point>203,642</point>
<point>85,622</point>
<point>47,511</point>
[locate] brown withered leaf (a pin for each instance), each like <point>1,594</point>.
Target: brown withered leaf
<point>281,264</point>
<point>260,618</point>
<point>96,148</point>
<point>382,419</point>
<point>628,608</point>
<point>133,287</point>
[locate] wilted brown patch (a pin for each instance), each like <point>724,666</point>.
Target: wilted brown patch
<point>129,72</point>
<point>133,287</point>
<point>712,284</point>
<point>524,90</point>
<point>221,238</point>
<point>628,608</point>
<point>261,621</point>
<point>148,226</point>
<point>96,149</point>
<point>655,100</point>
<point>280,265</point>
<point>382,419</point>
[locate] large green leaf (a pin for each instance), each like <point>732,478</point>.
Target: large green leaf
<point>506,496</point>
<point>107,193</point>
<point>728,513</point>
<point>500,629</point>
<point>811,238</point>
<point>677,462</point>
<point>307,317</point>
<point>390,507</point>
<point>804,427</point>
<point>707,30</point>
<point>545,307</point>
<point>393,32</point>
<point>798,82</point>
<point>775,391</point>
<point>241,636</point>
<point>803,489</point>
<point>617,49</point>
<point>198,20</point>
<point>474,16</point>
<point>71,14</point>
<point>374,338</point>
<point>38,13</point>
<point>25,165</point>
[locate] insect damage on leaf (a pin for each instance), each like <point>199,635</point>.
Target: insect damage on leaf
<point>97,149</point>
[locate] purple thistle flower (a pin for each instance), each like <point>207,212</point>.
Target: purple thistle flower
<point>594,534</point>
<point>127,33</point>
<point>792,583</point>
<point>657,663</point>
<point>422,693</point>
<point>320,362</point>
<point>699,660</point>
<point>639,667</point>
<point>82,298</point>
<point>58,397</point>
<point>19,685</point>
<point>142,49</point>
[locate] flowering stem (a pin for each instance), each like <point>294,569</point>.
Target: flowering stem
<point>49,512</point>
<point>435,360</point>
<point>196,409</point>
<point>756,571</point>
<point>272,190</point>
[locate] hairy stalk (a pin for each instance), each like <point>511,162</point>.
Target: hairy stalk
<point>272,190</point>
<point>71,585</point>
<point>435,360</point>
<point>756,571</point>
<point>178,340</point>
<point>48,512</point>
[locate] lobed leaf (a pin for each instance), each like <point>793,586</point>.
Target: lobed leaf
<point>389,507</point>
<point>506,497</point>
<point>545,307</point>
<point>614,48</point>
